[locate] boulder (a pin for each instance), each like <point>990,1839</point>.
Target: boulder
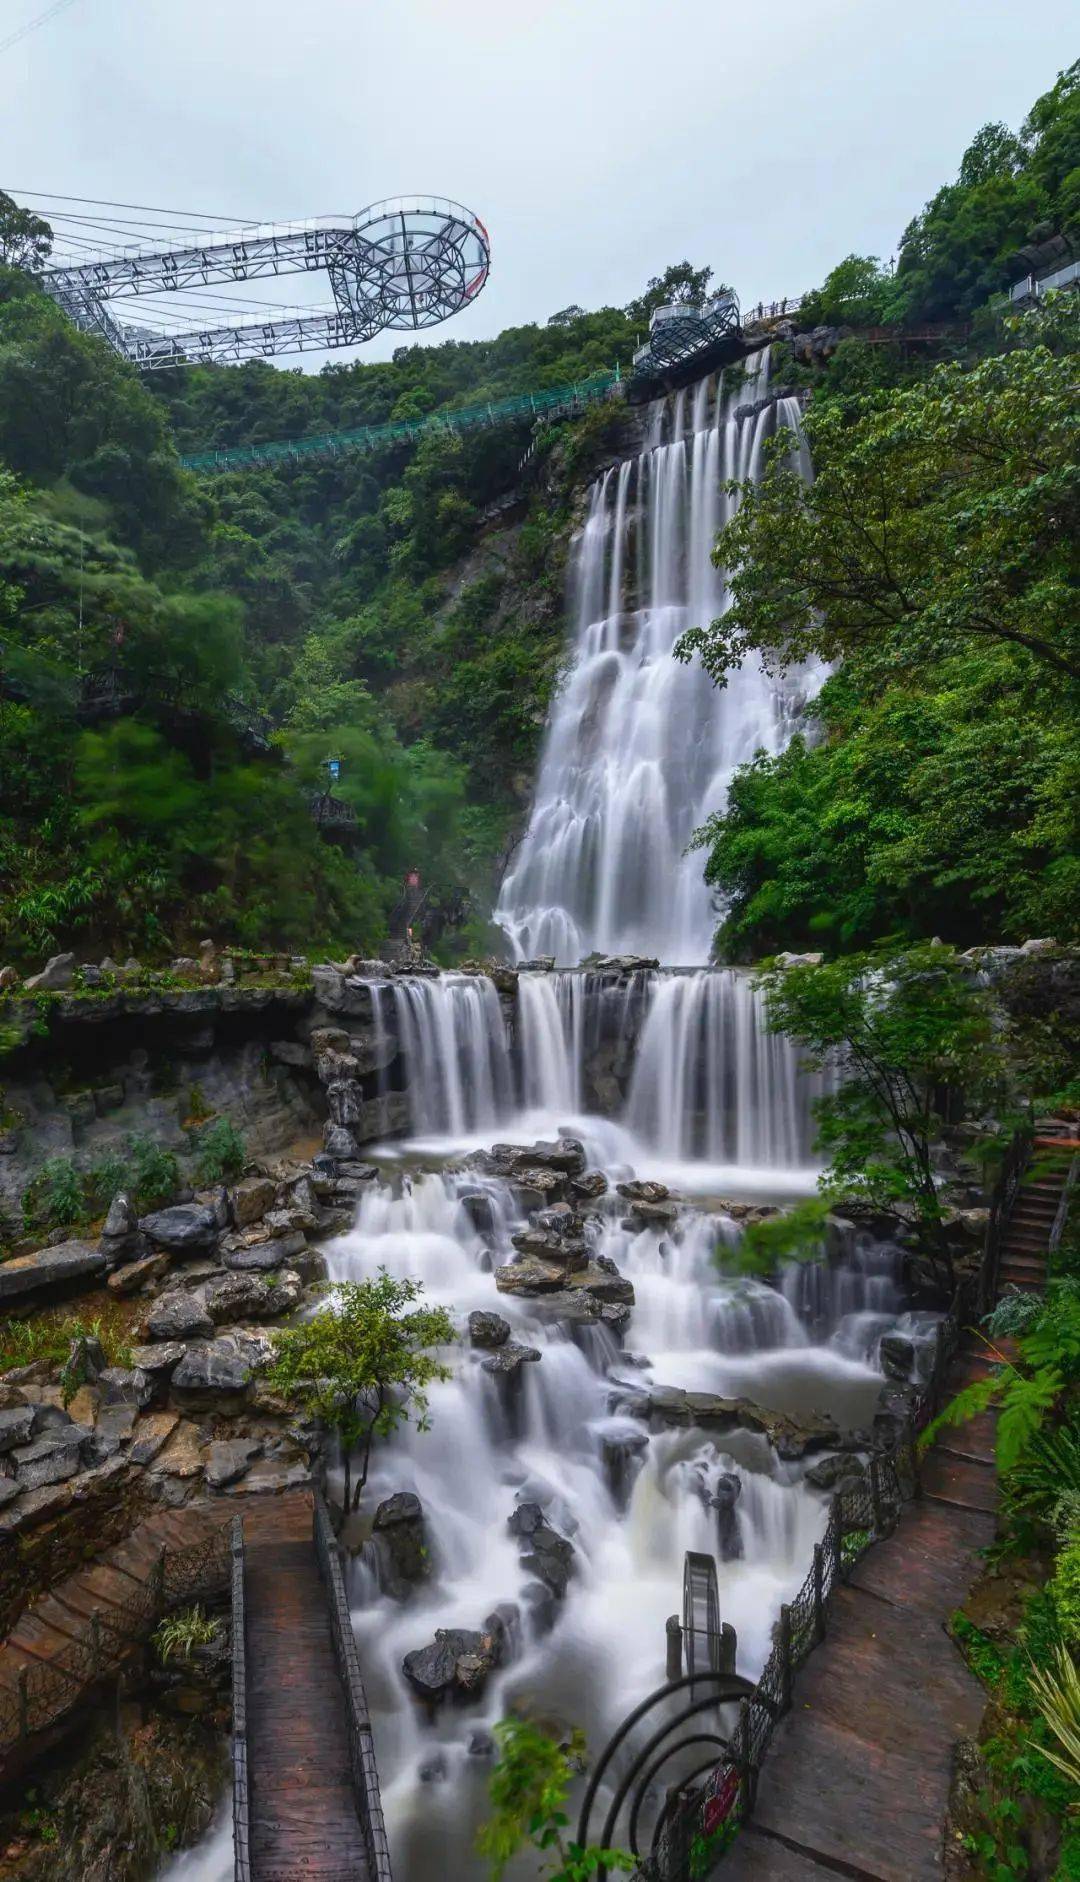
<point>479,1209</point>
<point>340,1142</point>
<point>228,1459</point>
<point>627,964</point>
<point>590,1184</point>
<point>580,1309</point>
<point>55,977</point>
<point>457,1663</point>
<point>150,1434</point>
<point>724,1497</point>
<point>623,1451</point>
<point>261,1256</point>
<point>403,1555</point>
<point>558,1250</point>
<point>53,1458</point>
<point>529,1276</point>
<point>897,1353</point>
<point>547,1554</point>
<point>488,1329</point>
<point>158,1361</point>
<point>179,1316</point>
<point>50,1269</point>
<point>185,1228</point>
<point>236,1297</point>
<point>126,1385</point>
<point>16,1427</point>
<point>215,1377</point>
<point>508,1360</point>
<point>138,1274</point>
<point>835,1472</point>
<point>251,1199</point>
<point>652,1215</point>
<point>644,1192</point>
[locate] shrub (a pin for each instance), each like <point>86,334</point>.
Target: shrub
<point>180,1634</point>
<point>154,1173</point>
<point>54,1197</point>
<point>219,1149</point>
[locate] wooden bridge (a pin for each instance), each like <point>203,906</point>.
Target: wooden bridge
<point>305,1788</point>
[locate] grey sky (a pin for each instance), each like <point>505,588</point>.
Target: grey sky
<point>597,141</point>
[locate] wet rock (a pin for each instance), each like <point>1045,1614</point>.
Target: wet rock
<point>581,1309</point>
<point>556,1249</point>
<point>432,1770</point>
<point>53,1458</point>
<point>549,1555</point>
<point>643,1192</point>
<point>652,1215</point>
<point>488,1329</point>
<point>185,1228</point>
<point>261,1256</point>
<point>237,1297</point>
<point>84,1364</point>
<point>126,1385</point>
<point>179,1316</point>
<point>158,1361</point>
<point>55,977</point>
<point>251,1199</point>
<point>898,1359</point>
<point>529,1276</point>
<point>480,1743</point>
<point>121,1239</point>
<point>113,1430</point>
<point>16,1427</point>
<point>150,1434</point>
<point>509,1359</point>
<point>480,1211</point>
<point>626,964</point>
<point>603,1282</point>
<point>457,1663</point>
<point>623,1453</point>
<point>139,1274</point>
<point>832,1473</point>
<point>724,1498</point>
<point>543,964</point>
<point>591,1184</point>
<point>228,1459</point>
<point>340,1142</point>
<point>214,1377</point>
<point>50,1269</point>
<point>404,1559</point>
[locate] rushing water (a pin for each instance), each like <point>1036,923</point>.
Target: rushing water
<point>660,1074</point>
<point>642,747</point>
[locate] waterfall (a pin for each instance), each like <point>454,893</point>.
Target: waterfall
<point>711,1082</point>
<point>641,748</point>
<point>457,1059</point>
<point>551,1018</point>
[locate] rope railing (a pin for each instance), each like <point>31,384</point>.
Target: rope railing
<point>47,1689</point>
<point>365,1774</point>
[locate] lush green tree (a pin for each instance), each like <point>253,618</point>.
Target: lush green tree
<point>25,238</point>
<point>892,1030</point>
<point>529,1788</point>
<point>940,514</point>
<point>363,1365</point>
<point>857,292</point>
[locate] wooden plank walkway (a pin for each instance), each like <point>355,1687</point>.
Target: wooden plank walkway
<point>856,1782</point>
<point>58,1624</point>
<point>304,1819</point>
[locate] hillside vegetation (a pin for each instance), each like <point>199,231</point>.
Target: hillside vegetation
<point>179,659</point>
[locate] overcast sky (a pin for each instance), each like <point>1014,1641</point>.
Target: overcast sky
<point>597,141</point>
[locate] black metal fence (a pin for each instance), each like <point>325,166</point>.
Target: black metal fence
<point>241,1784</point>
<point>697,1827</point>
<point>47,1690</point>
<point>365,1776</point>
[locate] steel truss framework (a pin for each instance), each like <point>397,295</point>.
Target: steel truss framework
<point>403,265</point>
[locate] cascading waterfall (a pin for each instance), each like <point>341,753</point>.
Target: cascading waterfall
<point>642,747</point>
<point>454,1039</point>
<point>710,1081</point>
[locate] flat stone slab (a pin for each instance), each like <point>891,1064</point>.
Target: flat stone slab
<point>49,1268</point>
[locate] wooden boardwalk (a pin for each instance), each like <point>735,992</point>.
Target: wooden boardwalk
<point>304,1820</point>
<point>857,1780</point>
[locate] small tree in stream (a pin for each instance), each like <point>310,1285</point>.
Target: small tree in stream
<point>362,1365</point>
<point>895,1029</point>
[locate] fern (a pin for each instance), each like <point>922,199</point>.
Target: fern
<point>974,1399</point>
<point>1025,1403</point>
<point>1057,1694</point>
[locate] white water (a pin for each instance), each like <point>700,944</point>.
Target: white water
<point>489,1447</point>
<point>641,747</point>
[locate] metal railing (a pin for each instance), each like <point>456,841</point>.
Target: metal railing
<point>1006,1189</point>
<point>241,1780</point>
<point>696,1824</point>
<point>365,1775</point>
<point>48,1689</point>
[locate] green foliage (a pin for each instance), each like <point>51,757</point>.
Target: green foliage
<point>362,1363</point>
<point>50,1336</point>
<point>179,1634</point>
<point>219,1150</point>
<point>54,1197</point>
<point>933,563</point>
<point>894,1027</point>
<point>795,1234</point>
<point>152,1174</point>
<point>529,1787</point>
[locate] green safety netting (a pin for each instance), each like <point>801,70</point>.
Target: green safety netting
<point>370,437</point>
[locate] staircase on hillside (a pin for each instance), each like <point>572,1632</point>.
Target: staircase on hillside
<point>1037,1215</point>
